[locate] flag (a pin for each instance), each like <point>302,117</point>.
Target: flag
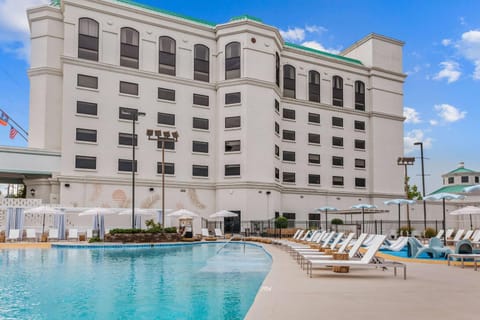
<point>13,132</point>
<point>3,118</point>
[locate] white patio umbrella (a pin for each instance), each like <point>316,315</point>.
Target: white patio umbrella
<point>472,188</point>
<point>222,214</point>
<point>363,206</point>
<point>444,196</point>
<point>399,202</point>
<point>326,209</point>
<point>139,212</point>
<point>467,210</point>
<point>99,212</point>
<point>183,213</point>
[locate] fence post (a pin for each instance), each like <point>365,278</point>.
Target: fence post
<point>381,226</point>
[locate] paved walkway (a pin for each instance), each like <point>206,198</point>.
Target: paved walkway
<point>431,291</point>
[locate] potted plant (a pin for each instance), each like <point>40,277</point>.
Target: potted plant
<point>336,222</point>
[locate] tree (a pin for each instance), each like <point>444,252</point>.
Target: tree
<point>412,191</point>
<point>281,223</point>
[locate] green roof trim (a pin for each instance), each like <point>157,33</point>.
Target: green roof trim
<point>55,3</point>
<point>451,189</point>
<point>169,13</point>
<point>461,170</point>
<point>323,53</point>
<point>246,17</point>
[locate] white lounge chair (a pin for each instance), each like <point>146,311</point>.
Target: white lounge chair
<point>458,236</point>
<point>449,233</point>
<point>440,234</point>
<point>73,234</point>
<point>468,235</point>
<point>14,235</point>
<point>219,233</point>
<point>366,261</point>
<point>31,235</point>
<point>205,233</point>
<point>89,234</point>
<point>53,234</point>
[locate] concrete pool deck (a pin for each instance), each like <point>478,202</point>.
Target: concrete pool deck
<point>431,291</point>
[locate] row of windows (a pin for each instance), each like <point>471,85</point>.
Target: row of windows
<point>463,179</point>
<point>289,177</point>
<point>314,138</point>
<point>314,158</point>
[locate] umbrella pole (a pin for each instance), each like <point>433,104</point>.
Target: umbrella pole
<point>43,224</point>
<point>326,220</point>
<point>444,233</point>
<point>399,219</point>
<point>471,224</point>
<point>363,220</point>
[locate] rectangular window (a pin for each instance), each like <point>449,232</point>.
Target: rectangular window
<point>233,97</point>
<point>277,106</point>
<point>125,139</point>
<point>314,216</point>
<point>360,125</point>
<point>289,215</point>
<point>359,163</point>
<point>450,180</point>
<point>289,177</point>
<point>360,144</point>
<point>129,88</point>
<point>313,158</point>
<point>169,145</point>
<point>232,170</point>
<point>232,145</point>
<point>166,94</point>
<point>337,161</point>
<point>337,181</point>
<point>277,128</point>
<point>200,146</point>
<point>288,156</point>
<point>87,81</point>
<point>201,100</point>
<point>200,123</point>
<point>476,179</point>
<point>464,179</point>
<point>314,138</point>
<point>313,117</point>
<point>277,151</point>
<point>313,179</point>
<point>87,135</point>
<point>232,122</point>
<point>360,182</point>
<point>199,171</point>
<point>169,168</point>
<point>277,174</point>
<point>166,118</point>
<point>126,113</point>
<point>87,108</point>
<point>84,162</point>
<point>125,165</point>
<point>288,114</point>
<point>337,122</point>
<point>288,135</point>
<point>337,141</point>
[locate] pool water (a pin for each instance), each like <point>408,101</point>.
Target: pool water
<point>172,282</point>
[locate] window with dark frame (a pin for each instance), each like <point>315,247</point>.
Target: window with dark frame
<point>232,170</point>
<point>166,118</point>
<point>360,144</point>
<point>359,125</point>
<point>314,216</point>
<point>289,81</point>
<point>169,145</point>
<point>477,179</point>
<point>200,146</point>
<point>289,215</point>
<point>232,122</point>
<point>201,100</point>
<point>289,177</point>
<point>337,122</point>
<point>233,97</point>
<point>360,182</point>
<point>313,117</point>
<point>337,141</point>
<point>288,156</point>
<point>450,180</point>
<point>201,63</point>
<point>277,151</point>
<point>129,88</point>
<point>277,128</point>
<point>232,146</point>
<point>129,48</point>
<point>359,96</point>
<point>277,106</point>
<point>277,69</point>
<point>85,81</point>
<point>360,163</point>
<point>232,60</point>
<point>125,165</point>
<point>314,158</point>
<point>86,135</point>
<point>88,39</point>
<point>85,162</point>
<point>464,179</point>
<point>337,181</point>
<point>87,108</point>
<point>199,171</point>
<point>337,94</point>
<point>125,139</point>
<point>337,161</point>
<point>166,55</point>
<point>314,138</point>
<point>126,113</point>
<point>288,114</point>
<point>200,123</point>
<point>288,135</point>
<point>169,168</point>
<point>313,86</point>
<point>277,174</point>
<point>166,94</point>
<point>313,179</point>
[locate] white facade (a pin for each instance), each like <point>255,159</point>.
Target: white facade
<point>257,193</point>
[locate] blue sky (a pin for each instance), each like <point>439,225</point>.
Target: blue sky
<point>441,57</point>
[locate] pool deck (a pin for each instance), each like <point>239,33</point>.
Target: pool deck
<point>431,291</point>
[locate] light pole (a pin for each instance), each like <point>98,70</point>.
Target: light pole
<point>423,186</point>
<point>134,114</point>
<point>156,135</point>
<point>406,161</point>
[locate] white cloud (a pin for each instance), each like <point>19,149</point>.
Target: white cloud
<point>446,42</point>
<point>315,29</point>
<point>469,47</point>
<point>411,115</point>
<point>318,46</point>
<point>295,34</point>
<point>433,122</point>
<point>450,71</point>
<point>449,113</point>
<point>14,30</point>
<point>415,136</point>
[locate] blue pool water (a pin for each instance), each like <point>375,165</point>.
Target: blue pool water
<point>180,282</point>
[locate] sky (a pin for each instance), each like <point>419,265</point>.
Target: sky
<point>441,57</point>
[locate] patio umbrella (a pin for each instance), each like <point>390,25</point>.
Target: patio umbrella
<point>43,210</point>
<point>97,213</point>
<point>183,213</point>
<point>326,209</point>
<point>467,210</point>
<point>444,196</point>
<point>223,214</point>
<point>472,188</point>
<point>363,206</point>
<point>139,212</point>
<point>399,202</point>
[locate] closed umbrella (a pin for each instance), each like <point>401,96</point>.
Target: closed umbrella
<point>399,202</point>
<point>326,209</point>
<point>99,213</point>
<point>363,206</point>
<point>467,210</point>
<point>444,196</point>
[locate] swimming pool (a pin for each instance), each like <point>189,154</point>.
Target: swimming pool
<point>164,282</point>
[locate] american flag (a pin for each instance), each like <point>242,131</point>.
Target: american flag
<point>13,133</point>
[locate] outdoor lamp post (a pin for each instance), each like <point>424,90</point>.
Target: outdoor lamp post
<point>406,161</point>
<point>134,114</point>
<point>423,185</point>
<point>156,135</point>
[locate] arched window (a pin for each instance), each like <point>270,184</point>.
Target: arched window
<point>277,69</point>
<point>166,56</point>
<point>232,60</point>
<point>337,91</point>
<point>88,39</point>
<point>129,49</point>
<point>201,63</point>
<point>314,86</point>
<point>359,95</point>
<point>288,81</point>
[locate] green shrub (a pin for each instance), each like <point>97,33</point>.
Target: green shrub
<point>281,222</point>
<point>94,239</point>
<point>336,221</point>
<point>125,231</point>
<point>170,230</point>
<point>404,231</point>
<point>430,233</point>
